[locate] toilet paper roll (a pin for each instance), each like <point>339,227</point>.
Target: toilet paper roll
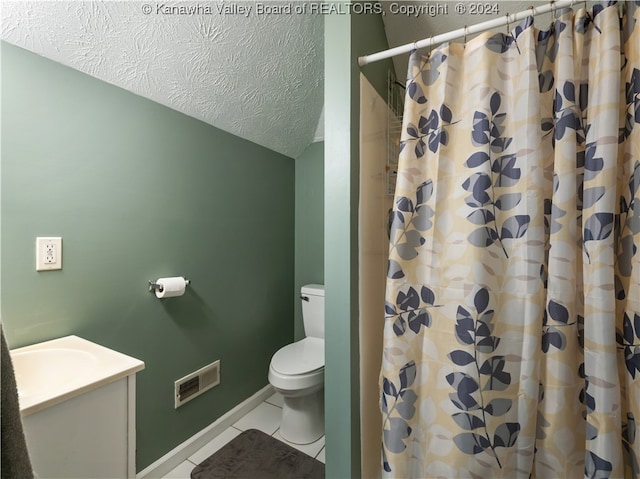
<point>171,287</point>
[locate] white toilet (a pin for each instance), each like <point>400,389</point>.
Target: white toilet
<point>297,372</point>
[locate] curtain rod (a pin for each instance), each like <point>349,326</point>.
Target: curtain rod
<point>480,27</point>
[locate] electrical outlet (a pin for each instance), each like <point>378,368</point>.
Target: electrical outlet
<point>48,253</point>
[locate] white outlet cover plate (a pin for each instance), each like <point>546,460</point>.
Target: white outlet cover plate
<point>41,246</point>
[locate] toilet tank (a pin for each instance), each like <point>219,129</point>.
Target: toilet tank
<point>312,297</point>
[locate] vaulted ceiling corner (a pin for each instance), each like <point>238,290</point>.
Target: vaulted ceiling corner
<point>257,77</point>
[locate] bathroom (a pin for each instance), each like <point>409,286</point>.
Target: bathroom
<point>139,191</point>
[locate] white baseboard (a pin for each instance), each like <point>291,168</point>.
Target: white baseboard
<point>180,453</point>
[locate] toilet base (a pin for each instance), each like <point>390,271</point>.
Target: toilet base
<point>303,418</point>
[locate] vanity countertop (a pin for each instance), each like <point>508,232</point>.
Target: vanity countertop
<point>53,371</point>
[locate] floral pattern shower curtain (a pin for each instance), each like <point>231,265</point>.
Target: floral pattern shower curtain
<point>512,331</point>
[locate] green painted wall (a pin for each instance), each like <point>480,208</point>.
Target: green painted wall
<point>139,191</point>
<point>346,38</point>
<point>309,236</point>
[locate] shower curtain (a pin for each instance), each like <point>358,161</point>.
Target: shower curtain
<point>512,329</point>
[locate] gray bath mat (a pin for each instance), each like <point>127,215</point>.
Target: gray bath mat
<point>256,455</point>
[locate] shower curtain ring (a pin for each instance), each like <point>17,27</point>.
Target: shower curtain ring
<point>508,25</point>
<point>466,31</point>
<point>553,10</point>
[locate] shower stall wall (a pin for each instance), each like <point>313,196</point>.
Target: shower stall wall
<point>375,203</point>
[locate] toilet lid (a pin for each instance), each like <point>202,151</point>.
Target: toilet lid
<point>301,357</point>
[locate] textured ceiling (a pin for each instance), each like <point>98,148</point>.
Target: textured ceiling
<point>259,77</point>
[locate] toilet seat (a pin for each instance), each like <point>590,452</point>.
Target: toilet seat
<point>299,358</point>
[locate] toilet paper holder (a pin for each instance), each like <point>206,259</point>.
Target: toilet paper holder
<point>153,286</point>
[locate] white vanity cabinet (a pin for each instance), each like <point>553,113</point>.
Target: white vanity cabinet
<point>85,429</point>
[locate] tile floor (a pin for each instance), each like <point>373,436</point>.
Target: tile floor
<point>266,418</point>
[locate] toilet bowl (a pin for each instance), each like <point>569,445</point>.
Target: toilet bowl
<point>296,371</point>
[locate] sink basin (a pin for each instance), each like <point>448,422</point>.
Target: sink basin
<point>44,369</point>
<point>53,371</point>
